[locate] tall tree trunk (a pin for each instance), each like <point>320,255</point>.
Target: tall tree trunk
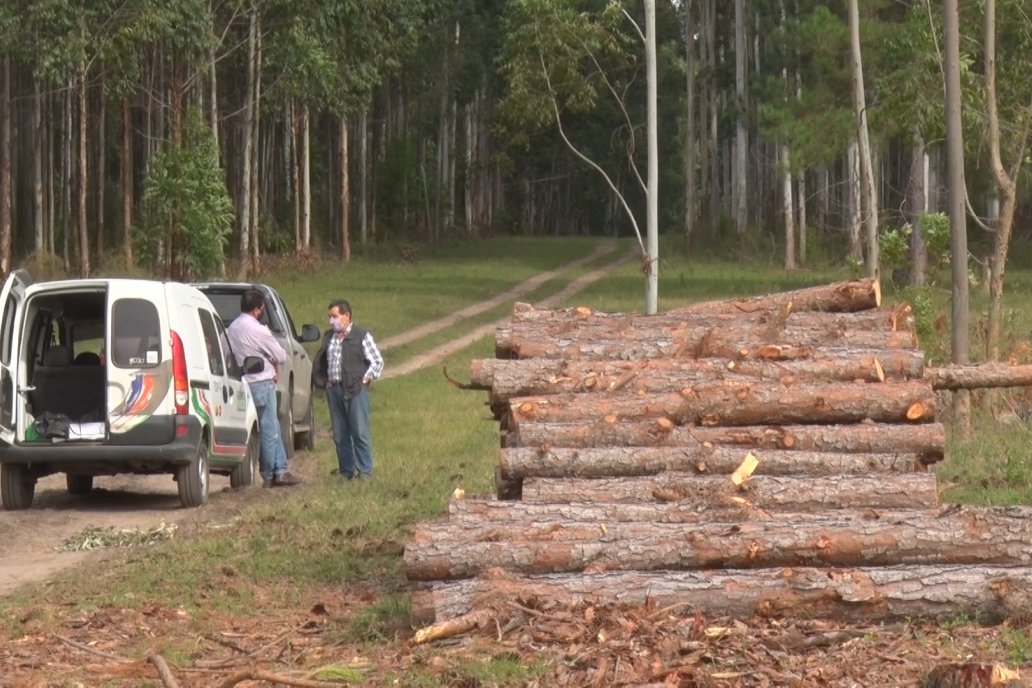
<point>345,193</point>
<point>363,192</point>
<point>127,184</point>
<point>960,346</point>
<point>83,227</point>
<point>306,178</point>
<point>651,266</point>
<point>247,132</point>
<point>856,250</point>
<point>5,166</point>
<point>255,225</point>
<point>740,174</point>
<point>691,140</point>
<point>866,166</point>
<point>66,175</point>
<point>39,154</point>
<point>294,177</point>
<point>801,194</point>
<point>917,202</point>
<point>823,198</point>
<point>101,166</point>
<point>1005,186</point>
<point>788,208</point>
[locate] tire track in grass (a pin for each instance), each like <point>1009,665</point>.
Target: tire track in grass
<point>513,294</point>
<point>440,353</point>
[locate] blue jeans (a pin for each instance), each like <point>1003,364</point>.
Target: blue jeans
<point>273,458</point>
<point>350,418</point>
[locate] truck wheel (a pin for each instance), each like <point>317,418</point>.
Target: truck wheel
<point>243,473</point>
<point>17,486</point>
<point>287,428</point>
<point>307,439</point>
<point>79,484</point>
<point>193,478</point>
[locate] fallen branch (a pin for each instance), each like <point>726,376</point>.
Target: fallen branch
<point>164,673</point>
<point>452,627</point>
<point>226,662</point>
<point>92,651</point>
<point>277,679</point>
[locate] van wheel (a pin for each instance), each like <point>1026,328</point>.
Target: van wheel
<point>287,428</point>
<point>17,486</point>
<point>243,473</point>
<point>193,478</point>
<point>79,484</point>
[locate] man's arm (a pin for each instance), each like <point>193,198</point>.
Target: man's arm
<point>372,355</point>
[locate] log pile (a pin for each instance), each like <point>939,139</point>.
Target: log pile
<point>767,455</point>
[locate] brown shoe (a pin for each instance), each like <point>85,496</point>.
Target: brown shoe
<point>286,480</point>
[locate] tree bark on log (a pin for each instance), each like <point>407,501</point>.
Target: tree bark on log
<point>928,440</point>
<point>564,319</point>
<point>979,376</point>
<point>905,491</point>
<point>739,403</point>
<point>525,377</point>
<point>855,295</point>
<point>513,515</point>
<point>848,595</point>
<point>710,343</point>
<point>984,537</point>
<point>604,462</point>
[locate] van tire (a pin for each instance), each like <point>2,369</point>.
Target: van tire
<point>243,473</point>
<point>193,478</point>
<point>287,428</point>
<point>79,484</point>
<point>17,486</point>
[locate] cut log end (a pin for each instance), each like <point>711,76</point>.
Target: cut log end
<point>876,287</point>
<point>879,371</point>
<point>916,411</point>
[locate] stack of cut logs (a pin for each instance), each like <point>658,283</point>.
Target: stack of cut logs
<point>767,455</point>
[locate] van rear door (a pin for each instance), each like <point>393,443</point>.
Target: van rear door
<point>12,299</point>
<point>139,364</point>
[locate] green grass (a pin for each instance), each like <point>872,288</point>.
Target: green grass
<point>431,438</point>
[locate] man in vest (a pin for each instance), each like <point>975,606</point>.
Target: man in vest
<point>345,365</point>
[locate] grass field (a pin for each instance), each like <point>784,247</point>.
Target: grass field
<point>431,438</point>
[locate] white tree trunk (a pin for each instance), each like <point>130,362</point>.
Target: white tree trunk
<point>306,178</point>
<point>247,131</point>
<point>652,208</point>
<point>740,173</point>
<point>866,166</point>
<point>856,251</point>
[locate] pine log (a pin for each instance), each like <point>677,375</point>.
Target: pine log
<point>512,515</point>
<point>740,403</point>
<point>980,375</point>
<point>710,343</point>
<point>524,377</point>
<point>859,595</point>
<point>854,295</point>
<point>569,319</point>
<point>602,462</point>
<point>904,491</point>
<point>971,536</point>
<point>927,440</point>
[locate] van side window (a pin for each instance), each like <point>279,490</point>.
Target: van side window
<point>135,334</point>
<point>211,342</point>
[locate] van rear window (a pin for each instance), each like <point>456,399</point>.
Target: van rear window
<point>135,334</point>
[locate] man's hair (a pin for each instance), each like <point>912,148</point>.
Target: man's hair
<point>342,305</point>
<point>251,299</point>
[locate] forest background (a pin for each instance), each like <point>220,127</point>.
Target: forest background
<point>182,136</point>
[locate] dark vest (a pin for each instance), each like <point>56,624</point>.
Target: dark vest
<point>353,362</point>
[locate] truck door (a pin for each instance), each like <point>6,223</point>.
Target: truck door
<point>12,300</point>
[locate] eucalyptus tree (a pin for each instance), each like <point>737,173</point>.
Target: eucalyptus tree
<point>1008,97</point>
<point>560,61</point>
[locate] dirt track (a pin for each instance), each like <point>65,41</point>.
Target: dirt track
<point>30,540</point>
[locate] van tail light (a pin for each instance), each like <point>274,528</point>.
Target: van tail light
<point>181,384</point>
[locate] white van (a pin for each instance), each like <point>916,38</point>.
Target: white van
<point>108,376</point>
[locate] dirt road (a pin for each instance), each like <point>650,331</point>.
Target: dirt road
<point>31,541</point>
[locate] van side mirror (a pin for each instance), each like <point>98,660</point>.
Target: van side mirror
<point>310,333</point>
<point>253,364</point>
